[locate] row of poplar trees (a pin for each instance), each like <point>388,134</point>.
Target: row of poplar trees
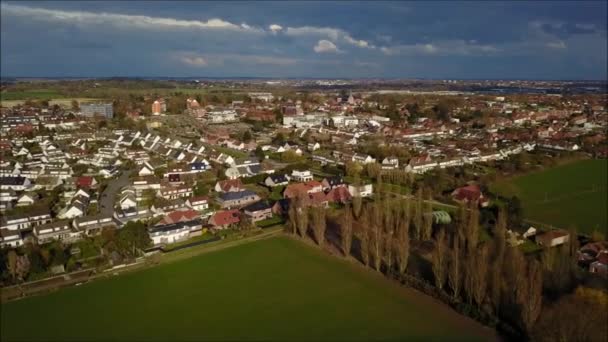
<point>496,279</point>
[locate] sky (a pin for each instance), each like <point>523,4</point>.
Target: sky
<point>440,40</point>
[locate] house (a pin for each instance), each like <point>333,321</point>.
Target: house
<point>198,203</point>
<point>553,238</point>
<point>27,199</point>
<point>258,211</point>
<point>128,201</point>
<point>33,217</point>
<point>281,207</point>
<point>470,194</point>
<point>10,238</point>
<point>179,216</point>
<point>420,164</point>
<point>146,170</point>
<point>237,198</point>
<point>313,146</point>
<point>230,185</point>
<point>301,176</point>
<point>225,218</point>
<point>75,209</point>
<point>366,190</point>
<point>175,192</point>
<point>92,225</point>
<point>86,182</point>
<point>58,230</point>
<point>363,158</point>
<point>390,163</point>
<point>301,189</point>
<point>276,180</point>
<point>338,194</point>
<point>329,183</point>
<point>14,183</point>
<point>174,232</point>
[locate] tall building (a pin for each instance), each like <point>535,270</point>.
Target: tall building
<point>159,106</point>
<point>92,109</point>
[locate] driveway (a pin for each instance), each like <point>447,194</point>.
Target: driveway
<point>109,193</point>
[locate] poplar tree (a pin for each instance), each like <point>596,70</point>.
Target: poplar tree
<point>346,230</point>
<point>403,238</point>
<point>454,269</point>
<point>439,261</point>
<point>319,224</point>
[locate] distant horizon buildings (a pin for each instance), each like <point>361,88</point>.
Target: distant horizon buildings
<point>92,109</point>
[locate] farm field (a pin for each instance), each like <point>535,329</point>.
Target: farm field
<point>274,289</point>
<point>64,102</point>
<point>571,195</point>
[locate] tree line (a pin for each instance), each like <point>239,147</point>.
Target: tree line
<point>484,278</point>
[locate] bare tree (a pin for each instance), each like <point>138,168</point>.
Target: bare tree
<point>302,221</point>
<point>11,263</point>
<point>319,225</point>
<point>357,200</point>
<point>473,229</point>
<point>403,238</point>
<point>363,235</point>
<point>454,269</point>
<point>427,219</point>
<point>497,265</point>
<point>530,297</point>
<point>293,218</point>
<point>479,275</point>
<point>376,242</point>
<point>439,260</point>
<point>417,220</point>
<point>346,230</point>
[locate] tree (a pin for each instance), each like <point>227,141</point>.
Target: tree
<point>75,106</point>
<point>497,265</point>
<point>403,238</point>
<point>357,200</point>
<point>319,224</point>
<point>132,239</point>
<point>247,136</point>
<point>531,295</point>
<point>302,219</point>
<point>11,263</point>
<point>472,231</point>
<point>454,270</point>
<point>418,221</point>
<point>293,218</point>
<point>346,230</point>
<point>363,235</point>
<point>376,242</point>
<point>427,220</point>
<point>479,274</point>
<point>439,260</point>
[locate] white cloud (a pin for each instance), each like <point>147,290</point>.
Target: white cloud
<point>274,28</point>
<point>556,45</point>
<point>325,46</point>
<point>442,48</point>
<point>332,34</point>
<point>195,61</point>
<point>121,20</point>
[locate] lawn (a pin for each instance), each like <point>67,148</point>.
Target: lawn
<point>34,94</point>
<point>274,289</point>
<point>571,195</point>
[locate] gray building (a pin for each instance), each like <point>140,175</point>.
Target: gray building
<point>91,109</point>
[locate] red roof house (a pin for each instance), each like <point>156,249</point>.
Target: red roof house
<point>179,216</point>
<point>223,219</point>
<point>86,182</point>
<point>470,193</point>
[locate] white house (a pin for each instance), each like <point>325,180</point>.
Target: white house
<point>146,170</point>
<point>361,191</point>
<point>198,203</point>
<point>10,238</point>
<point>301,176</point>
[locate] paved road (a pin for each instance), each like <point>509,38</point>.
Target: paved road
<point>109,193</point>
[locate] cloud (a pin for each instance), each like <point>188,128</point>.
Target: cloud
<point>121,20</point>
<point>441,48</point>
<point>325,46</point>
<point>556,45</point>
<point>332,34</point>
<point>274,28</point>
<point>195,61</point>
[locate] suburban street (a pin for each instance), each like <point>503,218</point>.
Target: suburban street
<point>106,202</point>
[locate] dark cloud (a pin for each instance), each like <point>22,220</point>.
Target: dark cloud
<point>310,39</point>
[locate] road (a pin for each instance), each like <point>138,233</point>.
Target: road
<point>106,202</point>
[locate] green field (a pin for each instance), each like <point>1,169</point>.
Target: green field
<point>571,195</point>
<point>274,289</point>
<point>34,94</point>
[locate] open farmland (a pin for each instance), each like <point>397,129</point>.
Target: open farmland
<point>275,289</point>
<point>571,195</point>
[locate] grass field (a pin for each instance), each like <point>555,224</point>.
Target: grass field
<point>574,194</point>
<point>65,102</point>
<point>274,289</point>
<point>34,94</point>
